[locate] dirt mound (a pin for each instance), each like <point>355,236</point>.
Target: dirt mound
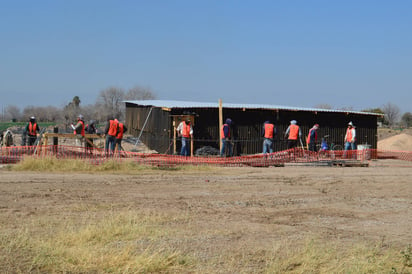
<point>402,142</point>
<point>384,133</point>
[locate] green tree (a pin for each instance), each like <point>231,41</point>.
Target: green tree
<point>76,101</point>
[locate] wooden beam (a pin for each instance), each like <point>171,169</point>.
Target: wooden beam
<point>71,135</point>
<point>220,123</point>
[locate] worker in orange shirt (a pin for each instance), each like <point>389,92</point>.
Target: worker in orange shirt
<point>293,133</point>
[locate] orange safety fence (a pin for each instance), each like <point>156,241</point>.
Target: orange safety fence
<point>14,154</point>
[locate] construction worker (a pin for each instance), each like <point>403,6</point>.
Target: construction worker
<point>269,133</point>
<point>312,138</point>
<point>350,138</point>
<point>110,131</point>
<point>226,142</point>
<point>121,129</point>
<point>31,130</point>
<point>292,133</point>
<point>90,128</point>
<point>185,131</point>
<point>78,129</point>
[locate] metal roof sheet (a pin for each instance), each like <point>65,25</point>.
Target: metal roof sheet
<point>190,104</point>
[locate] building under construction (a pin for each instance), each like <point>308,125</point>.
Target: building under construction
<point>154,122</point>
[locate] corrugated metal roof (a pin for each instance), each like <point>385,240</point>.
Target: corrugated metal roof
<point>189,104</point>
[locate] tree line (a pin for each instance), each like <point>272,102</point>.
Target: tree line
<point>391,115</point>
<point>109,102</point>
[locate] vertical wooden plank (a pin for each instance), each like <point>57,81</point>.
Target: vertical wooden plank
<point>220,123</point>
<point>192,123</point>
<point>174,135</point>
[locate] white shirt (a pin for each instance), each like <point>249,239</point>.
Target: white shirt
<point>180,127</point>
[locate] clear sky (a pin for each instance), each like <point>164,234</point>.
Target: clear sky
<point>304,53</point>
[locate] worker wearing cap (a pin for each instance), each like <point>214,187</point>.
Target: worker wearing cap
<point>78,129</point>
<point>185,131</point>
<point>121,129</point>
<point>226,139</point>
<point>110,131</point>
<point>293,132</point>
<point>350,138</point>
<point>90,128</point>
<point>312,138</point>
<point>31,130</point>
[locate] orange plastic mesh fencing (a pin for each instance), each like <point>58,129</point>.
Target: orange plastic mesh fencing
<point>10,155</point>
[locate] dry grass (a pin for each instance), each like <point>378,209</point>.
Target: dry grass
<point>52,164</point>
<point>97,238</point>
<point>130,242</point>
<point>319,256</point>
<point>126,242</point>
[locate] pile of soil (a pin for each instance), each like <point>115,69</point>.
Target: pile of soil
<point>400,142</point>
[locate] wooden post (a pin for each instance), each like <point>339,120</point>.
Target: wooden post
<point>220,123</point>
<point>55,140</point>
<point>45,145</point>
<point>174,135</point>
<point>192,121</point>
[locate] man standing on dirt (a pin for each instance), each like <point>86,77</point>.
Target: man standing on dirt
<point>78,129</point>
<point>31,130</point>
<point>312,138</point>
<point>226,142</point>
<point>110,131</point>
<point>90,128</point>
<point>293,132</point>
<point>185,131</point>
<point>269,133</point>
<point>350,138</point>
<point>121,129</point>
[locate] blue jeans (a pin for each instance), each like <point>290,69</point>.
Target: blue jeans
<point>267,146</point>
<point>226,144</point>
<point>185,147</point>
<point>349,146</point>
<point>110,143</point>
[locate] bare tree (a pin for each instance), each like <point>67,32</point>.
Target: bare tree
<point>139,93</point>
<point>71,111</point>
<point>13,113</point>
<point>32,111</point>
<point>110,102</point>
<point>380,119</point>
<point>347,108</point>
<point>407,119</point>
<point>52,114</point>
<point>392,113</point>
<point>323,106</point>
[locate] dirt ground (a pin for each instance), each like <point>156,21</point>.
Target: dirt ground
<point>254,207</point>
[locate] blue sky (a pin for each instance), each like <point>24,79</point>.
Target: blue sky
<point>348,54</point>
